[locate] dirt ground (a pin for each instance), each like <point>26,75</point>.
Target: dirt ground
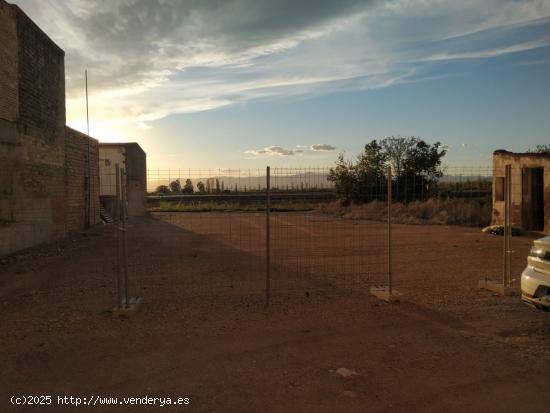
<point>204,333</point>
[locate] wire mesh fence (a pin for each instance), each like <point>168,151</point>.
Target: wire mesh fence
<point>264,234</point>
<point>239,244</point>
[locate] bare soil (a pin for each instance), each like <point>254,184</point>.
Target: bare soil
<point>204,333</point>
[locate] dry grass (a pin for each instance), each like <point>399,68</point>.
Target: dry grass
<point>432,211</point>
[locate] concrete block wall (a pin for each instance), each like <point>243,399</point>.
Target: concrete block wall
<point>43,190</point>
<point>32,186</point>
<point>9,103</point>
<point>41,82</point>
<point>32,122</point>
<point>82,193</point>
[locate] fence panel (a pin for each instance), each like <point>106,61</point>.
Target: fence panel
<point>216,223</point>
<point>210,229</point>
<point>440,252</point>
<point>317,250</point>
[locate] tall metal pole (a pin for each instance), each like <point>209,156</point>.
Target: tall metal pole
<point>124,239</point>
<point>118,237</point>
<point>88,166</point>
<point>390,286</point>
<point>87,113</point>
<point>268,239</point>
<point>507,225</point>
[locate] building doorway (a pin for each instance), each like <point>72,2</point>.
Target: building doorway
<point>532,201</point>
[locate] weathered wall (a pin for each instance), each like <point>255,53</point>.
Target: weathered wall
<point>518,162</point>
<point>109,156</point>
<point>32,147</point>
<point>131,157</point>
<point>41,82</point>
<point>136,178</point>
<point>81,192</point>
<point>32,188</point>
<point>9,106</point>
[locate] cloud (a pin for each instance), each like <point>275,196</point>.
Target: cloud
<point>299,149</point>
<point>148,59</point>
<point>274,150</point>
<point>321,147</point>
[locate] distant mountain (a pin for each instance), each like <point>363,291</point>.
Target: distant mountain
<point>281,178</point>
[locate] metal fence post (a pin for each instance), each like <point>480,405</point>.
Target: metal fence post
<point>118,236</point>
<point>506,276</point>
<point>390,286</point>
<point>268,239</point>
<point>124,239</point>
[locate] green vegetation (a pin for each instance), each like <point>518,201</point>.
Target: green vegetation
<point>540,149</point>
<point>162,189</point>
<point>232,207</point>
<point>415,164</point>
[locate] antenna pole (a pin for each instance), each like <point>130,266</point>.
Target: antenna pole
<point>87,115</point>
<point>88,166</point>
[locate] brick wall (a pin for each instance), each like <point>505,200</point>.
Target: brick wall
<point>76,169</point>
<point>8,64</point>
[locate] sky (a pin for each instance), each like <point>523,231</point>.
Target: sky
<point>293,83</point>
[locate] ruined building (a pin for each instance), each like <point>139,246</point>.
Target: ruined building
<point>530,176</point>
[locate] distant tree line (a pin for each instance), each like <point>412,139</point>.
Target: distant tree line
<point>415,166</point>
<point>215,186</point>
<point>212,186</point>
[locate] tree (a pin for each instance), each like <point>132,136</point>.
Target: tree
<point>201,187</point>
<point>421,169</point>
<point>175,186</point>
<point>188,187</point>
<point>208,186</point>
<point>217,186</point>
<point>415,166</point>
<point>162,189</point>
<point>540,149</point>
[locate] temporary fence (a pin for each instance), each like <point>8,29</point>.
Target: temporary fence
<point>264,234</point>
<point>260,233</point>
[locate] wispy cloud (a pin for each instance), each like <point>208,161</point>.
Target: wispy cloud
<point>274,150</point>
<point>148,59</point>
<point>299,149</point>
<point>322,147</point>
